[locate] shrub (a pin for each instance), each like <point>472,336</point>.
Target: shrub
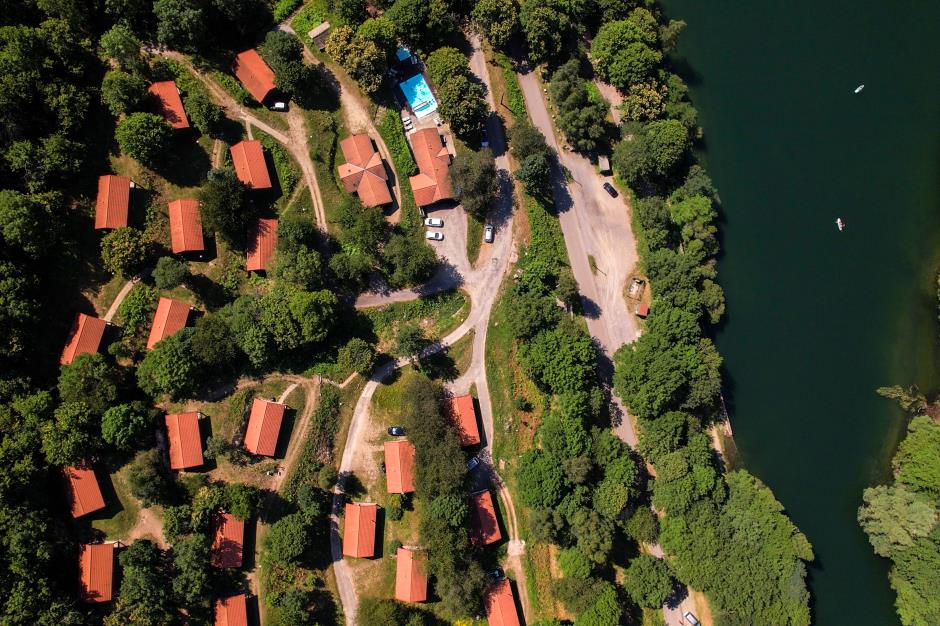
<point>143,136</point>
<point>170,273</point>
<point>357,355</point>
<point>125,425</point>
<point>284,8</point>
<point>574,564</point>
<point>124,251</point>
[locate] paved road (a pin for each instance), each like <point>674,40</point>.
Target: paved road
<point>482,283</point>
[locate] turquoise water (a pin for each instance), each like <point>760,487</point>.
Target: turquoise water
<point>818,319</point>
<point>418,94</point>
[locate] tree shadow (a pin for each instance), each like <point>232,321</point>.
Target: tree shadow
<point>350,485</point>
<point>439,366</point>
<point>589,308</point>
<point>184,163</point>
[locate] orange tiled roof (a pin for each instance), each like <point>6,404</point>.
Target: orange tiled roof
<point>83,485</point>
<point>228,541</point>
<point>170,318</point>
<point>264,426</point>
<point>359,533</point>
<point>461,411</point>
<point>399,466</point>
<point>171,106</point>
<point>231,611</point>
<point>431,184</point>
<point>96,570</point>
<point>185,441</point>
<point>411,580</point>
<point>484,528</point>
<point>114,197</point>
<point>185,226</point>
<point>262,241</point>
<point>84,337</point>
<point>254,74</point>
<point>500,605</point>
<point>363,171</point>
<point>250,167</point>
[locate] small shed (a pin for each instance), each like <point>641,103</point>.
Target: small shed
<point>319,35</point>
<point>603,164</point>
<point>642,309</point>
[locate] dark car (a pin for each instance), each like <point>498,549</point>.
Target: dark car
<point>396,431</point>
<point>497,574</point>
<point>610,189</point>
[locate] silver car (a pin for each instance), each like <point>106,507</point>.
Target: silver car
<point>489,233</point>
<point>436,222</point>
<point>434,235</point>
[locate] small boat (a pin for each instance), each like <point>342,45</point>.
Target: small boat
<point>840,224</point>
<point>859,88</point>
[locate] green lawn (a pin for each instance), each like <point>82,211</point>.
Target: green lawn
<point>437,314</point>
<point>120,515</point>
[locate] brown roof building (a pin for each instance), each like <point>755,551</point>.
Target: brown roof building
<point>83,485</point>
<point>250,167</point>
<point>264,426</point>
<point>484,528</point>
<point>254,74</point>
<point>359,533</point>
<point>231,611</point>
<point>84,337</point>
<point>462,413</point>
<point>170,318</point>
<point>185,226</point>
<point>170,104</point>
<point>411,579</point>
<point>363,172</point>
<point>500,605</point>
<point>431,184</point>
<point>113,201</point>
<point>399,466</point>
<point>182,431</point>
<point>262,241</point>
<point>96,570</point>
<point>228,541</point>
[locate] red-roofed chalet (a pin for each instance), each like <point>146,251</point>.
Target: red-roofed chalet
<point>359,533</point>
<point>484,528</point>
<point>84,489</point>
<point>170,318</point>
<point>462,413</point>
<point>500,605</point>
<point>182,431</point>
<point>84,337</point>
<point>231,611</point>
<point>113,201</point>
<point>262,241</point>
<point>228,541</point>
<point>411,579</point>
<point>250,166</point>
<point>169,103</point>
<point>399,466</point>
<point>185,226</point>
<point>96,571</point>
<point>254,74</point>
<point>431,184</point>
<point>363,172</point>
<point>264,426</point>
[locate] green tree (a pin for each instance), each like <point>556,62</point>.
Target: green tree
<point>445,63</point>
<point>71,436</point>
<point>170,273</point>
<point>474,178</point>
<point>326,477</point>
<point>125,425</point>
<point>560,359</point>
<point>170,368</point>
<point>574,564</point>
<point>594,534</point>
<point>535,175</point>
<point>606,610</point>
<point>205,115</point>
<point>357,355</point>
<point>288,539</point>
<point>351,11</point>
<point>497,20</point>
<point>540,479</point>
<point>918,457</point>
<point>213,343</point>
<point>91,380</point>
<point>526,140</point>
<point>545,29</point>
<point>120,43</point>
<point>224,207</point>
<point>144,597</point>
<point>408,259</point>
<point>648,581</point>
<point>177,522</point>
<point>138,308</point>
<point>124,251</point>
<point>713,299</point>
<point>421,23</point>
<point>27,222</point>
<point>143,136</point>
<point>463,105</point>
<point>192,584</point>
<point>580,117</point>
<point>642,525</point>
<point>410,340</point>
<point>242,501</point>
<point>658,437</point>
<point>894,517</point>
<point>147,479</point>
<point>122,92</point>
<point>181,24</point>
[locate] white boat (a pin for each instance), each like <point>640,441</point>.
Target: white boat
<point>859,88</point>
<point>840,224</point>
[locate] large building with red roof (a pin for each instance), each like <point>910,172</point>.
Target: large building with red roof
<point>431,184</point>
<point>83,487</point>
<point>359,532</point>
<point>250,166</point>
<point>185,441</point>
<point>484,527</point>
<point>169,103</point>
<point>231,611</point>
<point>461,411</point>
<point>228,541</point>
<point>364,172</point>
<point>84,337</point>
<point>185,226</point>
<point>399,466</point>
<point>262,242</point>
<point>170,318</point>
<point>411,578</point>
<point>501,605</point>
<point>254,74</point>
<point>113,201</point>
<point>96,572</point>
<point>264,426</point>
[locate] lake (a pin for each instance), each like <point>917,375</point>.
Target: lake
<point>817,318</point>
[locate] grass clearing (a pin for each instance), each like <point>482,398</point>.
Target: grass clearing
<point>325,130</point>
<point>437,315</point>
<point>286,168</point>
<point>234,88</point>
<point>120,515</point>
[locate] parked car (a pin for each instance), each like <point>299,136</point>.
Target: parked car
<point>279,106</point>
<point>433,221</point>
<point>383,467</point>
<point>610,189</point>
<point>489,233</point>
<point>472,464</point>
<point>434,235</point>
<point>690,619</point>
<point>484,139</point>
<point>496,574</point>
<point>396,431</point>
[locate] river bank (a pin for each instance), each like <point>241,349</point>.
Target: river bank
<point>817,318</point>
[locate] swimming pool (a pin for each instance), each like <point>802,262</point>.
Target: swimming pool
<point>418,94</point>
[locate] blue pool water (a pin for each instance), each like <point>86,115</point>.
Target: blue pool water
<point>418,94</point>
